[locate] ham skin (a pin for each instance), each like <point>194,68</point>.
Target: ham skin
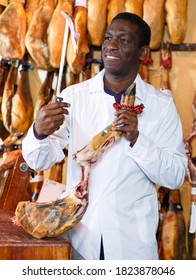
<point>36,37</point>
<point>12,36</point>
<point>55,31</point>
<point>76,61</point>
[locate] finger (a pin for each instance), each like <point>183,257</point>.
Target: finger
<point>56,105</point>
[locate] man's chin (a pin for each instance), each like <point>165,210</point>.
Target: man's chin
<point>112,70</point>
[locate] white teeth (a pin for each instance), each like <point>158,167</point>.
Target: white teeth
<point>111,57</point>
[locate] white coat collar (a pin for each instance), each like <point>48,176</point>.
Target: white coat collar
<point>98,85</point>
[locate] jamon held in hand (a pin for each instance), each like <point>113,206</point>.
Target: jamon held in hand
<point>52,218</point>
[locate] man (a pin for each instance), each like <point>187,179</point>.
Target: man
<point>122,214</point>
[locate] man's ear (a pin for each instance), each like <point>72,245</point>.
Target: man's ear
<point>144,52</point>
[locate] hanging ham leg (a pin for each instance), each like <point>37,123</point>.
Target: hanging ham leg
<point>135,7</point>
<point>45,94</point>
<point>76,60</point>
<point>22,104</point>
<point>114,7</point>
<point>4,71</point>
<point>30,6</point>
<point>176,18</point>
<point>8,138</point>
<point>55,31</point>
<point>36,37</point>
<point>17,104</point>
<point>97,20</point>
<point>13,31</point>
<point>154,15</point>
<point>174,230</point>
<point>8,93</point>
<point>163,199</point>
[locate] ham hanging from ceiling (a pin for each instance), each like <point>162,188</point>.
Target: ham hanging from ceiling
<point>55,31</point>
<point>13,28</point>
<point>8,93</point>
<point>174,230</point>
<point>135,7</point>
<point>97,21</point>
<point>114,7</point>
<point>17,103</point>
<point>36,37</point>
<point>45,93</point>
<point>76,60</point>
<point>176,18</point>
<point>154,15</point>
<point>4,71</point>
<point>30,6</point>
<point>163,200</point>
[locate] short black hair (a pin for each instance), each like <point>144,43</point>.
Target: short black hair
<point>144,31</point>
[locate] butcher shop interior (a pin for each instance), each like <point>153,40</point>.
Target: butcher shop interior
<point>37,61</point>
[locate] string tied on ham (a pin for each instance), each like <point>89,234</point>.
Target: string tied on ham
<point>148,60</point>
<point>138,109</point>
<point>166,55</point>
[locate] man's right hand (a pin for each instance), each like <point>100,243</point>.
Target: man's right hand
<point>50,117</point>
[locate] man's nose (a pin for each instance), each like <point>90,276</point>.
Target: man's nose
<point>113,44</point>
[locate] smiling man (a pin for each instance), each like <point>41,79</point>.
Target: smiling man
<point>122,215</point>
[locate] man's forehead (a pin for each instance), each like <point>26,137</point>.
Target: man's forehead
<point>121,25</point>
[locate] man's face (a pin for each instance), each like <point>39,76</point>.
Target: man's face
<point>120,51</point>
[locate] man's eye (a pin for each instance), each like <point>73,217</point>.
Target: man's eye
<point>124,41</point>
<point>107,38</point>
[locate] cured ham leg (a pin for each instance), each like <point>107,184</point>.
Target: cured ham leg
<point>45,94</point>
<point>114,7</point>
<point>49,219</point>
<point>135,7</point>
<point>30,6</point>
<point>8,93</point>
<point>174,230</point>
<point>55,31</point>
<point>13,31</point>
<point>4,71</point>
<point>176,18</point>
<point>76,60</point>
<point>36,37</point>
<point>163,199</point>
<point>97,21</point>
<point>17,103</point>
<point>154,15</point>
<point>22,104</point>
<point>53,218</point>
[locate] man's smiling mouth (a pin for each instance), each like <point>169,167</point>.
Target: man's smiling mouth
<point>112,57</point>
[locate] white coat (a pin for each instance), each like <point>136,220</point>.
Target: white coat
<point>123,205</point>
